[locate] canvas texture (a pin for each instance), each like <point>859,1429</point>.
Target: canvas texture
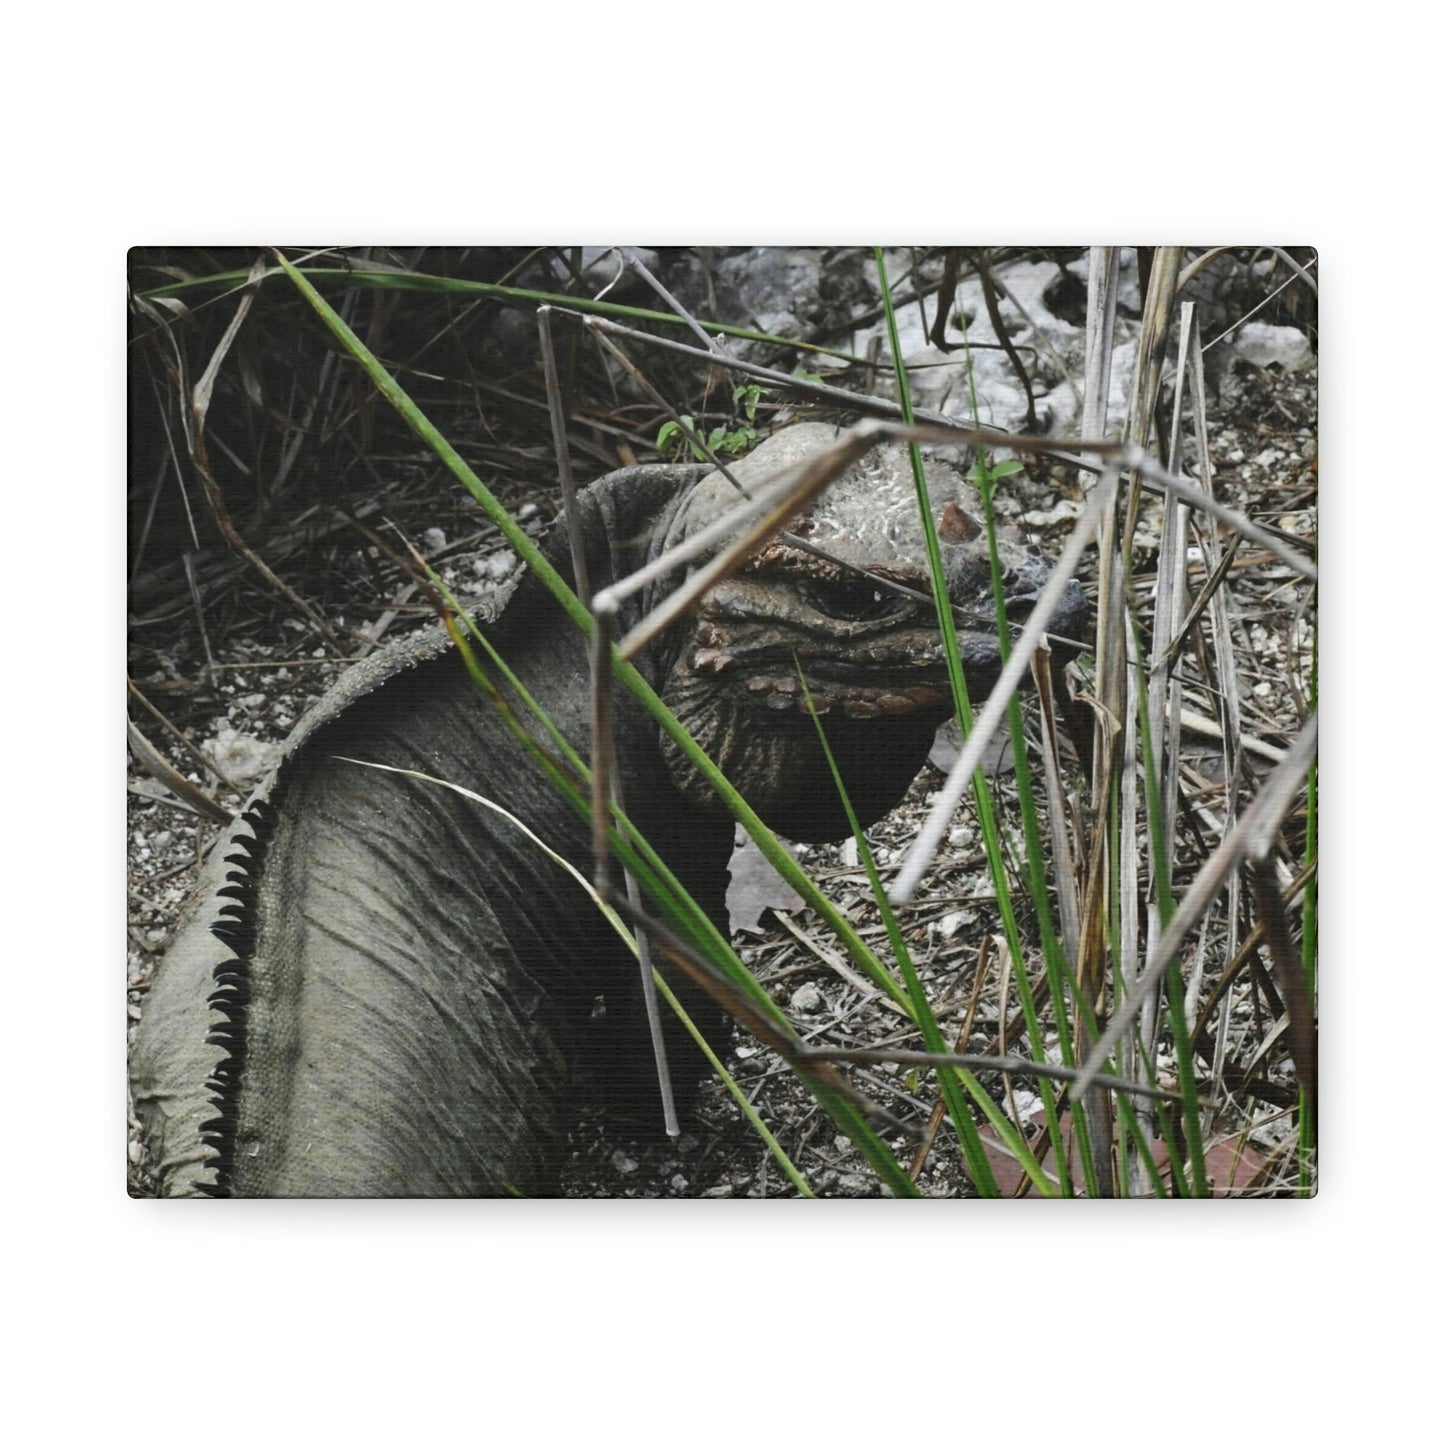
<point>722,722</point>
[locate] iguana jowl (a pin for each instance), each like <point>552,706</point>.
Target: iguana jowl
<point>384,987</point>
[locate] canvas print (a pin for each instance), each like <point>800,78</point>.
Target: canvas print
<point>722,722</point>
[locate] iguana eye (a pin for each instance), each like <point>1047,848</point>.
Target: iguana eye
<point>853,599</point>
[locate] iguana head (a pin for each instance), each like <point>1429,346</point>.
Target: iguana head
<point>871,658</point>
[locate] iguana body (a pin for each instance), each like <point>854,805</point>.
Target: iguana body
<point>386,991</point>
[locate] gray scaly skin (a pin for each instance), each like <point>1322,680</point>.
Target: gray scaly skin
<point>384,987</point>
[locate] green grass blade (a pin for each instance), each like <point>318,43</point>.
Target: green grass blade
<point>739,1097</point>
<point>848,1117</point>
<point>988,825</point>
<point>528,551</point>
<point>1197,1183</point>
<point>425,284</point>
<point>968,1137</point>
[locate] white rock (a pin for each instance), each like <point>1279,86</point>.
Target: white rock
<point>496,566</point>
<point>600,264</point>
<point>950,923</point>
<point>241,758</point>
<point>1258,343</point>
<point>1062,511</point>
<point>808,999</point>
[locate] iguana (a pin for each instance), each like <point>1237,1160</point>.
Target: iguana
<point>384,986</point>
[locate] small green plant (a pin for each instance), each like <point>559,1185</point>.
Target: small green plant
<point>984,476</point>
<point>677,439</point>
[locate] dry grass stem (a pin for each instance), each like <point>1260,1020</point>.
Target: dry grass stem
<point>992,714</point>
<point>1252,840</point>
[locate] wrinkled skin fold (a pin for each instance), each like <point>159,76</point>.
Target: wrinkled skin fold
<point>383,988</point>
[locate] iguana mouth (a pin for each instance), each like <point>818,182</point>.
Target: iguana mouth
<point>881,671</point>
<point>768,677</point>
<point>845,689</point>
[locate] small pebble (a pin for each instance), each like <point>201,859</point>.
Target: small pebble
<point>809,999</point>
<point>950,923</point>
